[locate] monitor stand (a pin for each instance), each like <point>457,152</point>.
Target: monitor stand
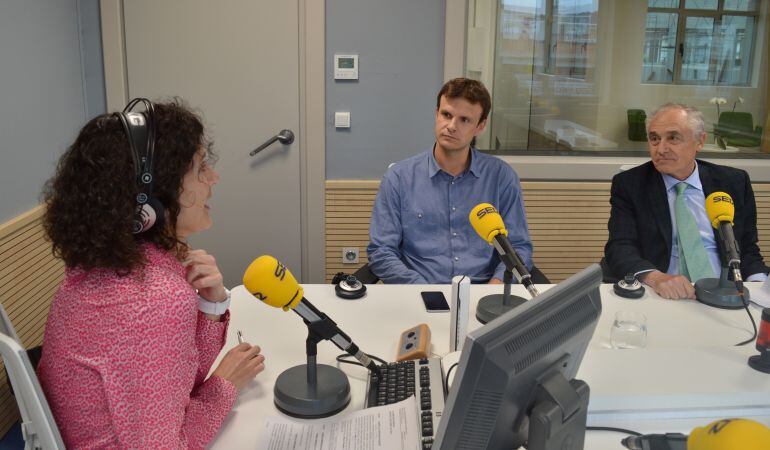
<point>559,414</point>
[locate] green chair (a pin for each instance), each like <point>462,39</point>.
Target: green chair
<point>637,130</point>
<point>737,128</point>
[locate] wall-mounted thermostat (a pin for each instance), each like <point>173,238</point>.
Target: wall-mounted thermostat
<point>345,67</point>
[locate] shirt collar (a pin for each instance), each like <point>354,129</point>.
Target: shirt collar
<point>434,168</point>
<point>693,180</point>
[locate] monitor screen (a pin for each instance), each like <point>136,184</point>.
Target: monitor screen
<point>517,371</point>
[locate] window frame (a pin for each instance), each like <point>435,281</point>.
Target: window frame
<point>716,14</point>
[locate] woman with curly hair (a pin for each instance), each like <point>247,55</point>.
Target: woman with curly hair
<point>129,341</point>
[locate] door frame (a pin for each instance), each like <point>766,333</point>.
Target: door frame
<point>312,134</point>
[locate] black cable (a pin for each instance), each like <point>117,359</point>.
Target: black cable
<point>617,430</point>
<point>753,323</point>
<point>344,358</point>
<point>446,379</point>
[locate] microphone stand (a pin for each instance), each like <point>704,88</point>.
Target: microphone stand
<point>720,292</point>
<point>313,390</point>
<point>495,305</point>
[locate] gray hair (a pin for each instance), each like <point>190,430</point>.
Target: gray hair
<point>694,118</point>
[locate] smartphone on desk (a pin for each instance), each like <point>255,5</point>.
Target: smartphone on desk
<point>434,301</point>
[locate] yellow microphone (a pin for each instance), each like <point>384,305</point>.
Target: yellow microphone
<point>487,222</point>
<point>720,210</point>
<point>724,434</point>
<point>730,434</point>
<point>489,225</point>
<point>269,281</point>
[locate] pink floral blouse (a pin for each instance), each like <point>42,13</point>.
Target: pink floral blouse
<point>125,360</point>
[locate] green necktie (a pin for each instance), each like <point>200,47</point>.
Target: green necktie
<point>693,260</point>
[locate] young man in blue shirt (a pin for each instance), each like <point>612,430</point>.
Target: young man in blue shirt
<point>420,232</point>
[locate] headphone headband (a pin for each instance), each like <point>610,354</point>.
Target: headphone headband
<point>140,131</point>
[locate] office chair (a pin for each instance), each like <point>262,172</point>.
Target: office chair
<point>365,275</point>
<point>538,277</point>
<point>37,424</point>
<point>737,128</point>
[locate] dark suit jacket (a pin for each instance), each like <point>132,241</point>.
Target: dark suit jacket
<point>640,220</point>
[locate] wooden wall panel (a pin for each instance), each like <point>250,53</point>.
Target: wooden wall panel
<point>29,276</point>
<point>567,222</point>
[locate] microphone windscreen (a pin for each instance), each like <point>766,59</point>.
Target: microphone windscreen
<point>487,222</point>
<point>270,281</point>
<point>720,208</point>
<point>730,434</point>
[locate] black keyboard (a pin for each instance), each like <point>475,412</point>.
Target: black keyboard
<point>400,380</point>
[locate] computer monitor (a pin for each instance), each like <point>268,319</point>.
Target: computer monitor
<point>514,381</point>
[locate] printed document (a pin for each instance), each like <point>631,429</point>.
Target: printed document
<point>390,427</point>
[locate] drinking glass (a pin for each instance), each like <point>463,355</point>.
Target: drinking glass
<point>629,330</point>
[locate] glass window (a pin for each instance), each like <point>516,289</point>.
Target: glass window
<point>735,47</point>
<point>579,77</point>
<point>663,3</point>
<point>659,47</point>
<point>701,4</point>
<point>696,49</point>
<point>572,33</point>
<point>741,5</point>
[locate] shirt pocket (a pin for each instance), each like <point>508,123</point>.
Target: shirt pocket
<point>423,233</point>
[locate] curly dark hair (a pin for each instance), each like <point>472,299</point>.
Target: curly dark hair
<point>90,198</point>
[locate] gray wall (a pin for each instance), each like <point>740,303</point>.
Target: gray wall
<point>50,82</point>
<point>400,45</point>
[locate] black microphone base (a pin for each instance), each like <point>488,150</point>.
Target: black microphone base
<point>296,397</point>
<point>492,306</point>
<point>760,362</point>
<point>720,293</point>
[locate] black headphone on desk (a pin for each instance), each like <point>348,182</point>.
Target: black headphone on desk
<point>140,130</point>
<point>348,286</point>
<point>629,287</point>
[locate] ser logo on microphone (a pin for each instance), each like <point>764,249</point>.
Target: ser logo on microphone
<point>280,271</point>
<point>722,198</point>
<point>484,211</point>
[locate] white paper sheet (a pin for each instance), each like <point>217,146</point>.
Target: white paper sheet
<point>391,427</point>
<point>761,296</point>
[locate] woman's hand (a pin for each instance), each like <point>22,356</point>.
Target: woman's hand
<point>204,275</point>
<point>241,364</point>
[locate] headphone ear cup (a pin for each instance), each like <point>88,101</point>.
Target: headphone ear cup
<point>148,215</point>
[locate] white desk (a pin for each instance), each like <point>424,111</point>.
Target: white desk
<point>688,374</point>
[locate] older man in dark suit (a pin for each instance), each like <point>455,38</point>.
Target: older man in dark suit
<point>658,228</point>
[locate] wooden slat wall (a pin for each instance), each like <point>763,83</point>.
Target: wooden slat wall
<point>567,222</point>
<point>29,276</point>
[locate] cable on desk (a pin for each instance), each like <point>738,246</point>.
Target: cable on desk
<point>753,323</point>
<point>446,379</point>
<point>616,430</point>
<point>344,358</point>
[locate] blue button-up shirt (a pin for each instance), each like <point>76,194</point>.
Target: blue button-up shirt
<point>420,232</point>
<point>695,199</point>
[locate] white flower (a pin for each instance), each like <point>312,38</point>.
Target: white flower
<point>721,101</point>
<point>713,100</point>
<point>740,99</point>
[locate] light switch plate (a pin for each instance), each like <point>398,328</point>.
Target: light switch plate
<point>342,119</point>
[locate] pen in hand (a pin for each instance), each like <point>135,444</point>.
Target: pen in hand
<point>240,336</point>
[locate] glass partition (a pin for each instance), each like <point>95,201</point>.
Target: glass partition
<point>580,77</point>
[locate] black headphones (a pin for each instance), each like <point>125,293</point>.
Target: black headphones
<point>140,130</point>
<point>348,286</point>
